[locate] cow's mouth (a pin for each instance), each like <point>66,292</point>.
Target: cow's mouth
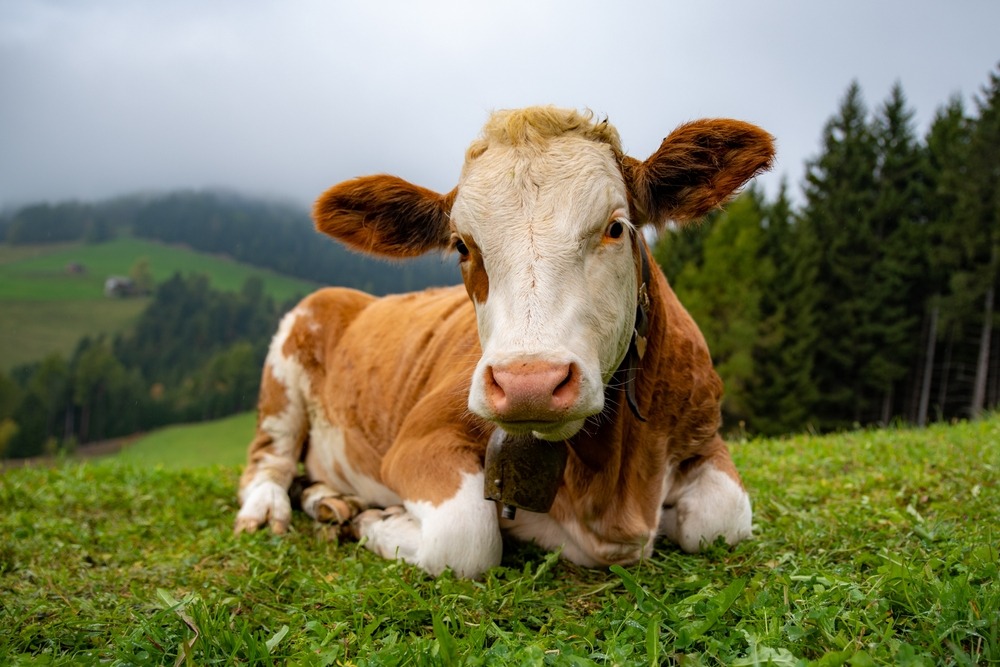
<point>552,431</point>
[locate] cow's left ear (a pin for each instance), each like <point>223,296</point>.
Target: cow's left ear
<point>697,168</point>
<point>385,215</point>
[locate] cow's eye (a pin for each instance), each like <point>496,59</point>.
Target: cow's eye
<point>615,230</point>
<point>461,248</point>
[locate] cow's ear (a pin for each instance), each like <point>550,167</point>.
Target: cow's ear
<point>385,215</point>
<point>697,168</point>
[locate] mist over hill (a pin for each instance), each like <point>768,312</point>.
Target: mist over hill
<point>276,235</point>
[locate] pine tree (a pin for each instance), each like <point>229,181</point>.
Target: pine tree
<point>897,286</point>
<point>840,193</point>
<point>979,204</point>
<point>723,294</point>
<point>947,144</point>
<point>782,393</point>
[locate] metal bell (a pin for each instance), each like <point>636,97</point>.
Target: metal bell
<point>523,472</point>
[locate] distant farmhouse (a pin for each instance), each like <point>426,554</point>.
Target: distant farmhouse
<point>117,287</point>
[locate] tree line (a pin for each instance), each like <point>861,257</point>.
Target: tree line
<point>874,300</point>
<point>268,234</point>
<point>196,353</point>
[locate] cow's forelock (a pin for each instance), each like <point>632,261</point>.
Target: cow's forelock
<point>560,290</point>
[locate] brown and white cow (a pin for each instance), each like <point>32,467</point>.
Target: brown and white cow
<point>389,402</point>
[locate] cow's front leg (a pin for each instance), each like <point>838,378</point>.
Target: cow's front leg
<point>325,504</point>
<point>274,453</point>
<point>706,500</point>
<point>459,529</point>
<point>263,492</point>
<point>273,460</point>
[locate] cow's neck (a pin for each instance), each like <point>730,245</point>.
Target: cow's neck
<point>616,449</point>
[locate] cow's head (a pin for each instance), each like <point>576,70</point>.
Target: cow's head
<point>545,220</point>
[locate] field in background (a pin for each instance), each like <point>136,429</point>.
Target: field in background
<point>47,309</point>
<point>39,272</point>
<point>221,442</point>
<point>32,330</point>
<point>870,548</point>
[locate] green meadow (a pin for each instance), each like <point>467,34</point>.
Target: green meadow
<point>47,309</point>
<point>222,442</point>
<point>872,547</point>
<point>39,273</point>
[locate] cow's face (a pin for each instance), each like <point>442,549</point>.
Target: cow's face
<point>545,221</point>
<point>546,245</point>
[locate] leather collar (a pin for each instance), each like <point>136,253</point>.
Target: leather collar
<point>637,347</point>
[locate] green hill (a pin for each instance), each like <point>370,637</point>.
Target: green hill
<point>47,307</point>
<point>222,442</point>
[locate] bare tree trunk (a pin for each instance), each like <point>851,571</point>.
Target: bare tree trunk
<point>945,375</point>
<point>993,391</point>
<point>887,401</point>
<point>983,363</point>
<point>84,422</point>
<point>925,384</point>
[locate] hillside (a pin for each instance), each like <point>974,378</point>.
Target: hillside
<point>48,308</point>
<point>870,547</point>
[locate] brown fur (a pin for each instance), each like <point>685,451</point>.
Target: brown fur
<point>385,215</point>
<point>615,473</point>
<point>474,275</point>
<point>697,168</point>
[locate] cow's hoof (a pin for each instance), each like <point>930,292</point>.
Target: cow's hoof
<point>327,506</point>
<point>251,525</point>
<point>361,523</point>
<point>264,503</point>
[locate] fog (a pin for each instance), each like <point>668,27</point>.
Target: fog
<point>106,97</point>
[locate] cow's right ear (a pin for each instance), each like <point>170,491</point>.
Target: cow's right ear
<point>385,215</point>
<point>697,168</point>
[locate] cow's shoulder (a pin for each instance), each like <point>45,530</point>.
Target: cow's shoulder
<point>687,391</point>
<point>319,321</point>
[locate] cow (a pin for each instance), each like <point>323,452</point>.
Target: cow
<point>563,331</point>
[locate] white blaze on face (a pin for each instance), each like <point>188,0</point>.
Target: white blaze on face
<point>561,276</point>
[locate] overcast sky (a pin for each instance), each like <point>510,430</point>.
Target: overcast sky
<point>106,97</point>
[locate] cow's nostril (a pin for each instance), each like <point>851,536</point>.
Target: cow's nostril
<point>568,390</point>
<point>494,390</point>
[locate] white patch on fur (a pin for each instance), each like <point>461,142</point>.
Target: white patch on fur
<point>285,369</point>
<point>557,292</point>
<point>328,452</point>
<point>709,504</point>
<point>462,533</point>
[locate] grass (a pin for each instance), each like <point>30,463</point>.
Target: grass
<point>47,310</point>
<point>221,442</point>
<point>875,547</point>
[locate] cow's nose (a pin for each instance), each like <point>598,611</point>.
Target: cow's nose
<point>532,390</point>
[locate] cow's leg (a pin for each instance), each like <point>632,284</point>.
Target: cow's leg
<point>461,532</point>
<point>326,505</point>
<point>706,500</point>
<point>274,453</point>
<point>444,522</point>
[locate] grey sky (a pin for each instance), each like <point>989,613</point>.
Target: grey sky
<point>105,97</point>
